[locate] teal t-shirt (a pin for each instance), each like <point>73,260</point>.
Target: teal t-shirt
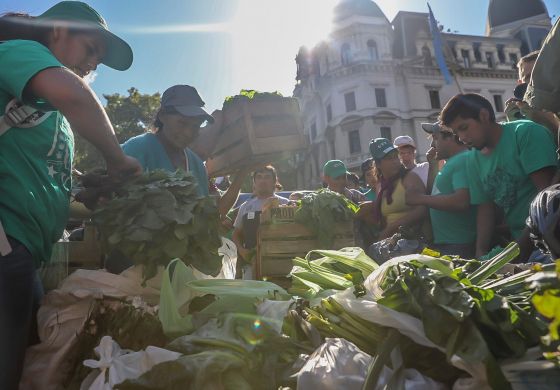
<point>453,227</point>
<point>35,161</point>
<point>370,195</point>
<point>503,176</point>
<point>151,154</point>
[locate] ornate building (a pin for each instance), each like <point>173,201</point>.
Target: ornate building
<point>376,78</point>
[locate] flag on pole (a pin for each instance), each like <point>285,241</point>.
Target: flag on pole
<point>438,47</point>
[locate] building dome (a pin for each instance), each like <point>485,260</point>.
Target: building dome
<point>502,12</point>
<point>347,8</point>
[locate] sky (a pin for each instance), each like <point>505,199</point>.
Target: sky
<point>223,46</point>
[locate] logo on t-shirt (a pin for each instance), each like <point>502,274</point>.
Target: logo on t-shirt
<point>32,120</point>
<point>501,185</point>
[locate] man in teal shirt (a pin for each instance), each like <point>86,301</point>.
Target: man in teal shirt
<point>452,215</point>
<point>511,162</point>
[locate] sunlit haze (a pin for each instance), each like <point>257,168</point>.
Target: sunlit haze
<point>222,46</point>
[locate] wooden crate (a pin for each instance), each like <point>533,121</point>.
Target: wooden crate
<point>260,130</point>
<point>69,256</point>
<point>279,243</point>
<point>85,254</point>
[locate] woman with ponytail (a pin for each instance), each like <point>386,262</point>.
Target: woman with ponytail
<point>43,99</point>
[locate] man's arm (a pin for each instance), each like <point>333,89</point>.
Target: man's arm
<point>226,202</point>
<point>433,169</point>
<point>543,177</point>
<point>458,201</point>
<point>485,221</point>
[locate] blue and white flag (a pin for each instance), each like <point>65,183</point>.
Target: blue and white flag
<point>438,47</point>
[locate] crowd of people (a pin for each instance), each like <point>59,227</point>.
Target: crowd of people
<point>484,183</point>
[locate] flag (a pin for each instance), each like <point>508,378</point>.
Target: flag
<point>438,47</point>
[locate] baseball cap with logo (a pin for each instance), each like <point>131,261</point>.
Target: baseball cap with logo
<point>404,140</point>
<point>334,169</point>
<point>186,101</point>
<point>79,15</point>
<point>379,148</point>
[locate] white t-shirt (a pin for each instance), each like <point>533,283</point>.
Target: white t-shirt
<point>252,205</point>
<point>422,171</point>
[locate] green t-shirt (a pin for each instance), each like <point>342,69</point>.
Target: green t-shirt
<point>35,161</point>
<point>453,227</point>
<point>503,176</point>
<point>371,195</point>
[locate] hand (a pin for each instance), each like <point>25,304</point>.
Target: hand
<point>545,118</point>
<point>366,212</point>
<point>512,111</point>
<point>123,168</point>
<point>431,155</point>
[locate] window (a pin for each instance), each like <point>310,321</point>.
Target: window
<point>372,50</point>
<point>427,56</point>
<point>329,113</point>
<point>345,54</point>
<point>354,142</point>
<point>490,59</point>
<point>476,52</point>
<point>350,101</point>
<point>513,58</point>
<point>313,131</point>
<point>466,59</point>
<point>386,133</point>
<point>380,97</point>
<point>498,104</point>
<point>434,99</point>
<point>501,54</point>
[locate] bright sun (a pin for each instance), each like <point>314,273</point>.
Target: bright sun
<point>266,36</point>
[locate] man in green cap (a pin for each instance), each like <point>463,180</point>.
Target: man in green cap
<point>43,100</point>
<point>334,175</point>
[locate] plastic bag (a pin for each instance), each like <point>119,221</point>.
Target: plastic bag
<point>412,327</point>
<point>228,251</point>
<point>339,364</point>
<point>116,365</point>
<point>174,295</point>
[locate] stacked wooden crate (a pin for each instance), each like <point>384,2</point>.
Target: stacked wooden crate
<point>280,239</point>
<point>258,130</point>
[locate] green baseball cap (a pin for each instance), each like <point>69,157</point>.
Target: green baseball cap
<point>379,148</point>
<point>81,16</point>
<point>334,169</point>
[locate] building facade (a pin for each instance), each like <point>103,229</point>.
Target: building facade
<point>375,78</point>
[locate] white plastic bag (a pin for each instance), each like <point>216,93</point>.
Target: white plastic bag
<point>121,364</point>
<point>407,325</point>
<point>339,364</point>
<point>228,251</point>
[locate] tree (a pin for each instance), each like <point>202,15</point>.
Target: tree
<point>130,115</point>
